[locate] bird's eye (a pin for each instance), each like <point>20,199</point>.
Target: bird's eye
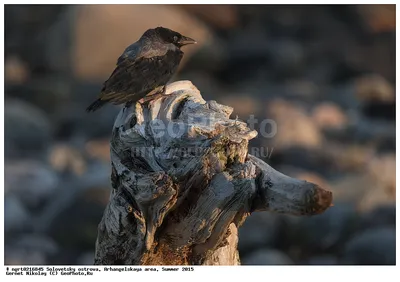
<point>175,38</point>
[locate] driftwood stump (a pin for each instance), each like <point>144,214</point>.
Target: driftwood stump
<point>183,182</point>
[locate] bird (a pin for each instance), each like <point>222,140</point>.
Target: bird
<point>144,68</point>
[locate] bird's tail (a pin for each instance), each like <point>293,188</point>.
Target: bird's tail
<point>96,105</point>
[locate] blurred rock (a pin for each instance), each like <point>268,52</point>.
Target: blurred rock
<point>35,243</point>
<point>300,159</point>
<point>372,247</point>
<point>378,18</point>
<point>344,96</point>
<point>376,131</point>
<point>266,257</point>
<point>22,257</point>
<point>65,158</point>
<point>27,130</point>
<point>380,110</point>
<point>86,259</point>
<point>56,42</point>
<point>374,87</point>
<point>218,16</point>
<point>99,149</point>
<point>80,217</point>
<point>349,158</point>
<point>288,57</point>
<point>15,71</point>
<point>304,90</point>
<point>322,260</point>
<point>104,31</point>
<point>260,229</point>
<point>212,50</point>
<point>383,169</point>
<point>243,105</point>
<point>31,181</point>
<point>327,231</point>
<point>365,131</point>
<point>245,60</point>
<point>329,115</point>
<point>25,25</point>
<point>377,56</point>
<point>16,217</point>
<point>381,216</point>
<point>73,121</point>
<point>50,93</point>
<point>78,209</point>
<point>361,190</point>
<point>294,126</point>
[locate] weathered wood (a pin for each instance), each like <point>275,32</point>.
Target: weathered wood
<point>183,182</point>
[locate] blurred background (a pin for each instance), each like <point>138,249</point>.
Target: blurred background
<point>325,74</point>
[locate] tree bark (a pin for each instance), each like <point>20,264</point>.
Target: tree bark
<point>183,182</point>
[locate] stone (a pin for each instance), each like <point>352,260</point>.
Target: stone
<point>218,16</point>
<point>327,231</point>
<point>26,27</point>
<point>245,61</point>
<point>27,129</point>
<point>15,70</point>
<point>57,40</point>
<point>293,126</point>
<point>323,260</point>
<point>343,95</point>
<point>381,216</point>
<point>299,160</point>
<point>16,217</point>
<point>243,105</point>
<point>86,259</point>
<point>36,243</point>
<point>80,217</point>
<point>371,247</point>
<point>33,182</point>
<point>383,169</point>
<point>305,90</point>
<point>104,31</point>
<point>378,18</point>
<point>212,50</point>
<point>99,149</point>
<point>380,110</point>
<point>329,115</point>
<point>266,257</point>
<point>287,56</point>
<point>50,93</point>
<point>260,229</point>
<point>65,158</point>
<point>78,122</point>
<point>374,87</point>
<point>78,209</point>
<point>23,258</point>
<point>367,131</point>
<point>361,190</point>
<point>349,158</point>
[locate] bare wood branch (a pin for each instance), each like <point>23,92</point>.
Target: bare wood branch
<point>183,183</point>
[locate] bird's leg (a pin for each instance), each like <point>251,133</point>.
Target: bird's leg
<point>164,90</point>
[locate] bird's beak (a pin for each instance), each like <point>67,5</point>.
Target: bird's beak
<point>186,41</point>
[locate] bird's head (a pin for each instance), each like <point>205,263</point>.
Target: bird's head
<point>169,36</point>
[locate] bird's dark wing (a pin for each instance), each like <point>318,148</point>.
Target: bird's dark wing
<point>134,79</point>
<point>145,49</point>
